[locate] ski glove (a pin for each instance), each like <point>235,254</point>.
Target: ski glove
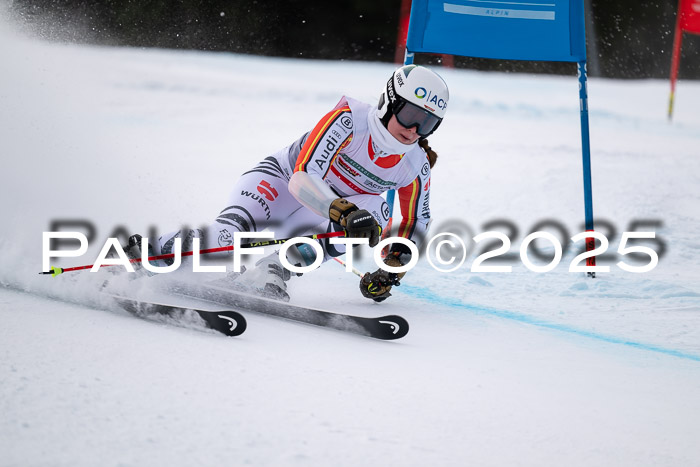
<point>377,285</point>
<point>358,223</point>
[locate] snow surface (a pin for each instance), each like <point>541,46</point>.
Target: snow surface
<point>498,369</point>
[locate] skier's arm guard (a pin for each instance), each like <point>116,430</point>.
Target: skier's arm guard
<point>312,192</point>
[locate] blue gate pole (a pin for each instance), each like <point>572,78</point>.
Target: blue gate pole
<point>586,155</point>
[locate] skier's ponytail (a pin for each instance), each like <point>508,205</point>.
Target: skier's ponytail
<point>432,155</point>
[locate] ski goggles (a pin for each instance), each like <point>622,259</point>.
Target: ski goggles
<point>410,115</point>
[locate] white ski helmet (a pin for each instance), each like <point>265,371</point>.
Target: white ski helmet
<point>417,96</point>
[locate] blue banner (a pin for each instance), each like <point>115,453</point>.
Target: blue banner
<point>540,30</point>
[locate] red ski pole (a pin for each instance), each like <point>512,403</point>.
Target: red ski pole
<point>56,271</point>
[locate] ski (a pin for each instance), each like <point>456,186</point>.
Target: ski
<point>388,327</point>
<point>230,323</point>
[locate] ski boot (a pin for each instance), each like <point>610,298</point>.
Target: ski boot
<point>133,251</point>
<point>272,278</point>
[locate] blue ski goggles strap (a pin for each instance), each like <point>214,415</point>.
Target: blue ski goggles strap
<point>410,115</point>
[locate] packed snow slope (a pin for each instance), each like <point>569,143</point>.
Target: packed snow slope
<point>500,368</point>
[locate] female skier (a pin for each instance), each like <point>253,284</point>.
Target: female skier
<point>330,180</point>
